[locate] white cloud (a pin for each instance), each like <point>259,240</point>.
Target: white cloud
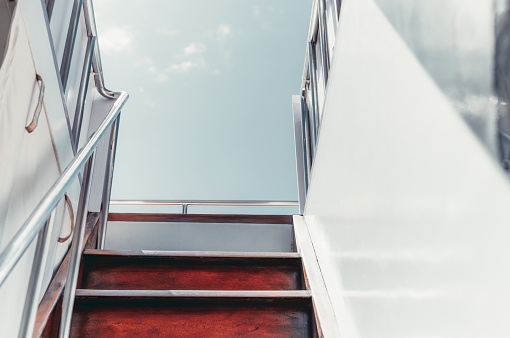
<point>256,11</point>
<point>161,77</point>
<point>144,62</point>
<point>167,31</point>
<point>194,48</point>
<point>215,71</point>
<point>224,30</point>
<point>185,66</point>
<point>116,39</point>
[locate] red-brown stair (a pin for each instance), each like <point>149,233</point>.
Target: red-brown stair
<point>192,294</point>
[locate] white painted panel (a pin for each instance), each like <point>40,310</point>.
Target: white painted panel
<point>407,211</point>
<point>36,171</point>
<point>454,40</point>
<point>28,167</point>
<point>28,164</point>
<point>46,66</point>
<point>100,107</point>
<point>199,236</point>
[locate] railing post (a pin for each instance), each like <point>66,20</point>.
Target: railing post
<point>82,93</point>
<point>313,120</point>
<point>76,249</point>
<point>70,40</point>
<point>184,208</point>
<point>36,278</point>
<point>107,187</point>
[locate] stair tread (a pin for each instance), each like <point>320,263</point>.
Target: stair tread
<point>193,293</point>
<point>192,254</point>
<point>216,271</point>
<point>206,315</point>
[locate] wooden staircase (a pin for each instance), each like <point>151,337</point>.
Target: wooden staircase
<point>192,294</point>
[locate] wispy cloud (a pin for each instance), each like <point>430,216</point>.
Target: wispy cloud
<point>194,48</point>
<point>181,67</point>
<point>116,39</point>
<point>143,62</point>
<point>167,31</point>
<point>256,11</point>
<point>186,66</point>
<point>224,30</point>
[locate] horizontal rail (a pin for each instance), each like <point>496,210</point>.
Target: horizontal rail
<point>216,203</point>
<point>34,223</point>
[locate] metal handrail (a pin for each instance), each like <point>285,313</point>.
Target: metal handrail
<point>97,67</point>
<point>65,65</point>
<point>38,222</point>
<point>34,223</point>
<point>225,203</point>
<point>216,203</point>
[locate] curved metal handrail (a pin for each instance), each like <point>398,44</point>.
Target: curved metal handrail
<point>34,223</point>
<point>97,67</point>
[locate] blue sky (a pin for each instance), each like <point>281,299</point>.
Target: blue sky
<point>209,116</point>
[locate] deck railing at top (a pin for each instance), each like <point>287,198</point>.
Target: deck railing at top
<point>204,203</point>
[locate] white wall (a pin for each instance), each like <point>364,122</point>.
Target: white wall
<point>408,213</point>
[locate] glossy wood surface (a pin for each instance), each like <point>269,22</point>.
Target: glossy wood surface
<point>133,272</point>
<point>196,317</point>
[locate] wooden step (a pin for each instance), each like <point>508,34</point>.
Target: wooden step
<point>143,313</point>
<point>156,270</point>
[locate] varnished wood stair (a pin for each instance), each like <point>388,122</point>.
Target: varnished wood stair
<point>192,294</point>
<point>164,270</point>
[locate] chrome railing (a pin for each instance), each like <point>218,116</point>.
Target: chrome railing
<point>205,203</point>
<point>35,222</point>
<point>39,221</point>
<point>308,112</point>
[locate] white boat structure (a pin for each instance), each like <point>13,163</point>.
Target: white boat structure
<point>402,145</point>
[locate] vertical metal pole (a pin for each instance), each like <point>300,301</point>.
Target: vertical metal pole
<point>71,38</point>
<point>184,209</point>
<point>305,143</point>
<point>324,41</point>
<point>36,279</point>
<point>49,7</point>
<point>82,93</point>
<point>313,121</point>
<point>107,186</point>
<point>76,250</point>
<point>300,151</point>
